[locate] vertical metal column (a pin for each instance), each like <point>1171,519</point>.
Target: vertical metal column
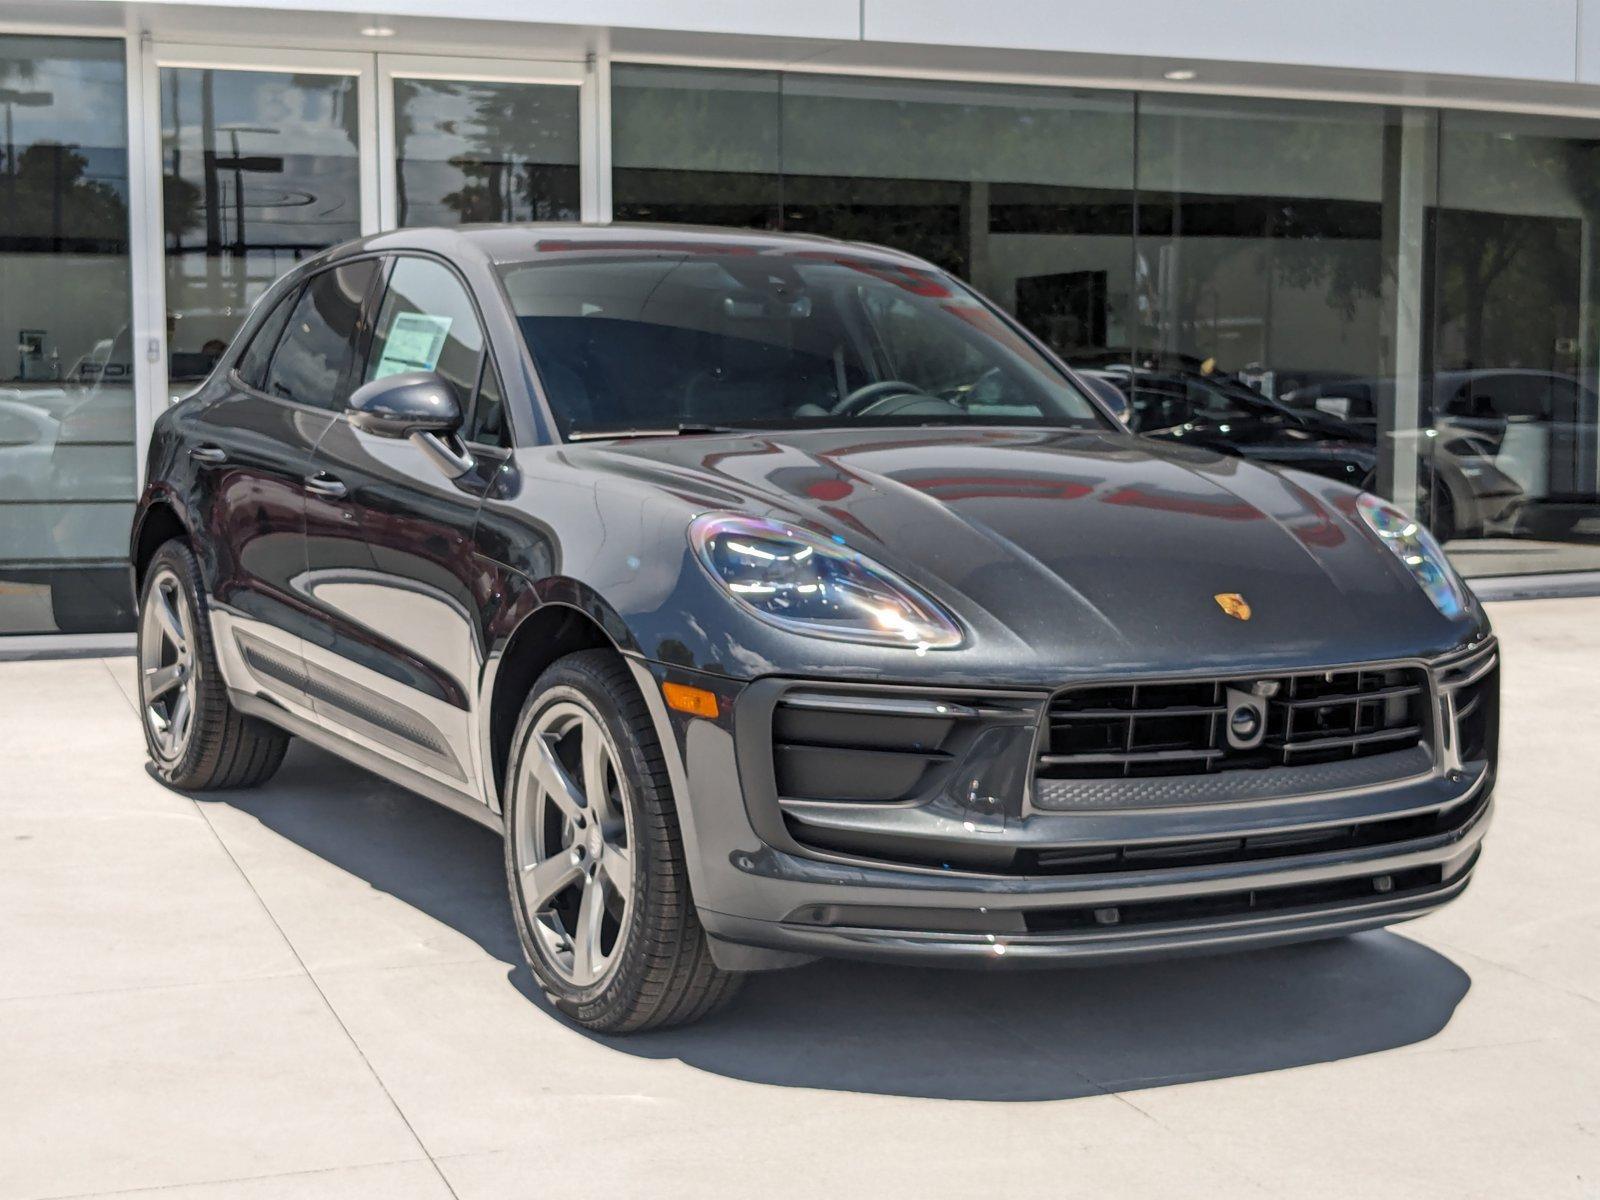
<point>1410,186</point>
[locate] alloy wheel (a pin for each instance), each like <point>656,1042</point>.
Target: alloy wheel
<point>574,844</point>
<point>166,665</point>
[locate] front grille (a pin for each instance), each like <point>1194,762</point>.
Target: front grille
<point>1139,730</point>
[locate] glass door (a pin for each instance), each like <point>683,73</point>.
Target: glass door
<point>469,140</point>
<point>266,158</point>
<point>67,416</point>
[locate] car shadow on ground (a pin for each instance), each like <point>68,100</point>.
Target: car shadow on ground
<point>970,1035</point>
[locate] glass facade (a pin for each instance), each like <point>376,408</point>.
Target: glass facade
<point>66,394</point>
<point>260,169</point>
<point>1401,299</point>
<point>1513,335</point>
<point>471,151</point>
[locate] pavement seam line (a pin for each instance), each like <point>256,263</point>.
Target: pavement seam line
<point>310,978</point>
<point>117,683</point>
<point>25,997</point>
<point>156,1189</point>
<point>328,1004</point>
<point>1225,1161</point>
<point>1562,988</point>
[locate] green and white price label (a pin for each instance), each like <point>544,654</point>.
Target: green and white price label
<point>414,343</point>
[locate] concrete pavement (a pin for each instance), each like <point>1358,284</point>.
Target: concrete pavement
<point>314,990</point>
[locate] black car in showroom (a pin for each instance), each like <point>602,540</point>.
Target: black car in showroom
<point>1460,490</point>
<point>780,597</point>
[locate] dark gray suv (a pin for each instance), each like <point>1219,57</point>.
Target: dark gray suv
<point>780,597</point>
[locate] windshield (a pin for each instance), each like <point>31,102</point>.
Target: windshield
<point>658,341</point>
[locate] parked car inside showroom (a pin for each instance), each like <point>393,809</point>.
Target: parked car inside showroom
<point>779,597</point>
<point>1516,435</point>
<point>1461,492</point>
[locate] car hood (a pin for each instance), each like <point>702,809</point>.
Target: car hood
<point>1069,549</point>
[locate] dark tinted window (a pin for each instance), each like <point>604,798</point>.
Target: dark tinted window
<point>312,364</point>
<point>253,363</point>
<point>488,423</point>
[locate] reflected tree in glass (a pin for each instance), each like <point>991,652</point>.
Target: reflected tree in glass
<point>260,169</point>
<point>469,151</point>
<point>66,362</point>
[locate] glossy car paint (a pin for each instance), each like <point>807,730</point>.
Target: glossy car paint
<point>1065,555</point>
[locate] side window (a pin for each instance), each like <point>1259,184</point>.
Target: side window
<point>427,323</point>
<point>312,364</point>
<point>258,354</point>
<point>487,424</point>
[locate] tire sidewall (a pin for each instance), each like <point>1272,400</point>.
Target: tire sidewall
<point>570,683</point>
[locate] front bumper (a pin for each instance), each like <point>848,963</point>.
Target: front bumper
<point>977,878</point>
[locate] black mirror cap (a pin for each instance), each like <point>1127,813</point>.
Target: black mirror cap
<point>398,406</point>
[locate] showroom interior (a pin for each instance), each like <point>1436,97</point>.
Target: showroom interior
<point>1399,284</point>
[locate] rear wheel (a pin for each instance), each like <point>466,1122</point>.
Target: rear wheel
<point>196,739</point>
<point>594,857</point>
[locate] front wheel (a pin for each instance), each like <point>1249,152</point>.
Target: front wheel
<point>595,860</point>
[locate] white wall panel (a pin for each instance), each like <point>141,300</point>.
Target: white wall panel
<point>1521,39</point>
<point>1589,41</point>
<point>763,18</point>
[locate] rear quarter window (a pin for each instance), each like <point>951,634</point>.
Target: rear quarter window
<point>312,364</point>
<point>257,354</point>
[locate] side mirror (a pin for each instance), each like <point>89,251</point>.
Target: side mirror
<point>417,405</point>
<point>398,406</point>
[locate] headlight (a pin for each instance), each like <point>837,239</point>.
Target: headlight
<point>808,584</point>
<point>1415,547</point>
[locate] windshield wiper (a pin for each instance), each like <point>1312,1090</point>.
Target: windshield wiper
<point>679,430</point>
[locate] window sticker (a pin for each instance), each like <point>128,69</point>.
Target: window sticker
<point>414,343</point>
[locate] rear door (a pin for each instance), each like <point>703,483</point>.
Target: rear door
<point>391,566</point>
<point>251,450</point>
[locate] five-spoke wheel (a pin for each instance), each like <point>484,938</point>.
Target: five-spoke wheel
<point>195,736</point>
<point>576,845</point>
<point>166,665</point>
<point>595,858</point>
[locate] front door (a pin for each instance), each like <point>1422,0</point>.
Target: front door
<point>389,545</point>
<point>253,450</point>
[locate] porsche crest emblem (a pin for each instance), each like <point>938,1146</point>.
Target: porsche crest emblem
<point>1235,605</point>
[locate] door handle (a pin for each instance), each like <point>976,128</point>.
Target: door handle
<point>323,484</point>
<point>208,454</point>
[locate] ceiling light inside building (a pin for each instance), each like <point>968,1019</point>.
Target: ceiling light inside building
<point>378,31</point>
<point>1179,76</point>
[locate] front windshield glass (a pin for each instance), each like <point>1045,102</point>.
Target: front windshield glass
<point>652,341</point>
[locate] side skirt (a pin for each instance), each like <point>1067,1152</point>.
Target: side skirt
<point>267,710</point>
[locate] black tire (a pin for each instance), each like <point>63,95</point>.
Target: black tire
<point>663,974</point>
<point>223,747</point>
<point>1439,511</point>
